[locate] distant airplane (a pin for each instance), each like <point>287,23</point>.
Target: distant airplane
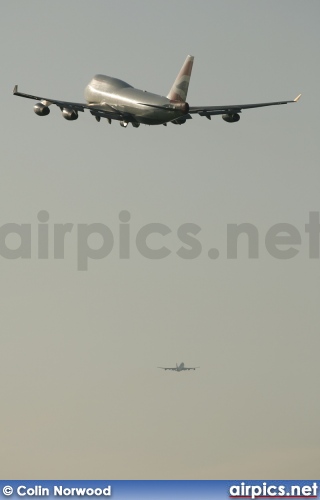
<point>179,368</point>
<point>114,99</point>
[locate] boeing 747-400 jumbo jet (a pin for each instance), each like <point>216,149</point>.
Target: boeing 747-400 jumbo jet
<point>110,98</point>
<point>179,368</point>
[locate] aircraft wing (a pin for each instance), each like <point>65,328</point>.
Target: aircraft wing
<point>97,111</point>
<point>208,111</point>
<point>162,368</point>
<point>191,368</point>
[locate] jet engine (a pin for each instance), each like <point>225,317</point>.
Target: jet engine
<point>69,114</point>
<point>41,109</point>
<point>179,121</point>
<point>231,118</point>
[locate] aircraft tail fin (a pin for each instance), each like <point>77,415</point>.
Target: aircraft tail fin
<point>179,89</point>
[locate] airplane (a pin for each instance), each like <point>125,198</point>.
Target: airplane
<point>179,368</point>
<point>114,99</point>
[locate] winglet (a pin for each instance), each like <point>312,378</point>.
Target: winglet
<point>297,98</point>
<point>15,89</point>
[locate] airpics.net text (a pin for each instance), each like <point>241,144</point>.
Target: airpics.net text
<point>96,241</point>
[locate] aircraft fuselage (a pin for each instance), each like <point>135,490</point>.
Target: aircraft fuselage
<point>112,94</point>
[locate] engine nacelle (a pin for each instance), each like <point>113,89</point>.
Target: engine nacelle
<point>69,114</point>
<point>41,109</point>
<point>179,121</point>
<point>181,106</point>
<point>231,118</point>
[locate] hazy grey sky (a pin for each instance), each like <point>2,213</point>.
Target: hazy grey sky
<point>81,394</point>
